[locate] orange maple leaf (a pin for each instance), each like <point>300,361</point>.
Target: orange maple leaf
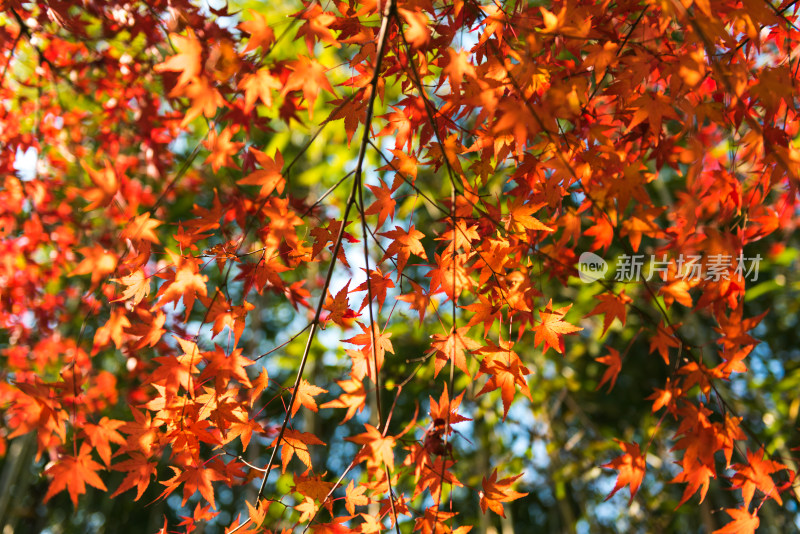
<point>552,329</point>
<point>383,205</point>
<point>310,76</point>
<point>382,344</point>
<point>305,396</point>
<point>495,492</point>
<point>404,243</point>
<point>269,177</point>
<point>260,33</point>
<point>756,474</point>
<point>613,307</point>
<point>353,397</point>
<point>519,217</point>
<point>379,284</point>
<point>614,363</point>
<point>224,367</point>
<point>296,443</point>
<point>139,472</point>
<point>138,286</point>
<point>194,479</point>
<point>743,522</point>
<point>141,227</point>
<point>379,448</point>
<point>112,330</point>
<point>258,86</point>
<point>452,347</point>
<point>73,473</point>
<point>631,467</point>
<point>222,148</point>
<point>187,61</point>
<point>505,370</point>
<point>418,300</point>
<point>338,307</point>
<point>102,435</point>
<point>354,496</point>
<point>97,261</point>
<point>107,186</point>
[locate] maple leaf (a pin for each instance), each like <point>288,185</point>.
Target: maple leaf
<point>224,367</point>
<point>613,307</point>
<point>261,35</point>
<point>485,313</point>
<point>354,496</point>
<point>419,300</point>
<point>259,385</point>
<point>102,435</point>
<point>222,148</point>
<point>552,329</point>
<point>269,177</point>
<point>354,398</point>
<point>665,397</point>
<point>404,243</point>
<point>141,227</point>
<point>194,479</point>
<point>452,347</point>
<point>308,509</point>
<point>338,307</point>
<point>677,291</point>
<point>308,75</point>
<point>148,327</point>
<point>506,372</point>
<point>112,330</point>
<point>201,513</point>
<point>495,492</point>
<point>664,340</point>
<point>316,27</point>
<point>328,234</point>
<point>382,345</point>
<point>139,472</point>
<point>258,86</point>
<point>417,33</point>
<point>697,476</point>
<point>257,513</point>
<point>652,107</point>
<point>107,186</point>
<point>370,525</point>
<point>379,284</point>
<point>73,473</point>
<point>187,61</point>
<point>743,522</point>
<point>383,205</point>
<point>138,286</point>
<point>97,261</point>
<point>380,448</point>
<point>305,396</point>
<point>614,363</point>
<point>187,283</point>
<point>295,442</point>
<point>457,67</point>
<point>446,410</point>
<point>756,475</point>
<point>205,100</point>
<point>631,467</point>
<point>520,218</point>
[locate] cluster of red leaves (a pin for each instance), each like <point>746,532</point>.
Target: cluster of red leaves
<point>638,101</point>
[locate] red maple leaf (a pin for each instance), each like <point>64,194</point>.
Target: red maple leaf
<point>631,467</point>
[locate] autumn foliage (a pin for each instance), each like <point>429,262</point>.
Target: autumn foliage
<point>315,265</point>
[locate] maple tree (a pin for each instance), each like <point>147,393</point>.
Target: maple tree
<point>299,267</point>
